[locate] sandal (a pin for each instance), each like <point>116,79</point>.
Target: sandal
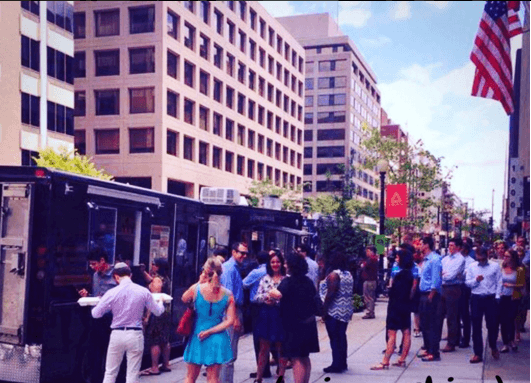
<point>165,369</point>
<point>400,363</point>
<point>381,366</point>
<point>149,373</point>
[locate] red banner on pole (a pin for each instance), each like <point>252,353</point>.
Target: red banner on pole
<point>396,201</point>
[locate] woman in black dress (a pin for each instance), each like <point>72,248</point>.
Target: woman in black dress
<point>399,311</point>
<point>298,307</point>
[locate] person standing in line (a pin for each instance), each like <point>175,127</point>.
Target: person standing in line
<point>269,327</point>
<point>338,308</point>
<point>215,312</point>
<point>453,269</point>
<point>369,275</point>
<point>100,332</point>
<point>399,310</point>
<point>252,281</point>
<point>484,279</point>
<point>298,308</point>
<point>127,302</point>
<point>313,268</point>
<point>430,298</point>
<point>521,316</point>
<point>513,281</point>
<point>464,301</point>
<point>231,279</point>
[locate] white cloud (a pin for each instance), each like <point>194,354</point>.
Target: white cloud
<point>350,4</point>
<point>378,42</point>
<point>439,4</point>
<point>401,10</point>
<point>355,17</point>
<point>278,8</point>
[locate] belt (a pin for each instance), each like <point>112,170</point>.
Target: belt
<point>128,328</point>
<point>452,285</point>
<point>485,295</point>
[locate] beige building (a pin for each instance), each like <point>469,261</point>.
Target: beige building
<point>341,93</point>
<point>36,78</point>
<point>177,95</point>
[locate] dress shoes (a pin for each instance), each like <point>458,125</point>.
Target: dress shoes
<point>496,354</point>
<point>333,369</point>
<point>476,359</point>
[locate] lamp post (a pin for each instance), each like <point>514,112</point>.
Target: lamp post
<point>382,166</point>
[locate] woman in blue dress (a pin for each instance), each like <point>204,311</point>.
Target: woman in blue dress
<point>215,309</point>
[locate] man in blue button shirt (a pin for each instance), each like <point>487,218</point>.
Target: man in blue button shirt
<point>430,301</point>
<point>232,280</point>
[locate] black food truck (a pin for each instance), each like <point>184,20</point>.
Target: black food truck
<point>50,220</point>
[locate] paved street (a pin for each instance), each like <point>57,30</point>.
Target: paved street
<point>366,342</point>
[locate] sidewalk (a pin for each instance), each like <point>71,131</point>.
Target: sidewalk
<point>366,340</point>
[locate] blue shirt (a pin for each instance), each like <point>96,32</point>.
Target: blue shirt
<point>414,270</point>
<point>430,277</point>
<point>232,280</point>
<point>453,267</point>
<point>101,283</point>
<point>127,302</point>
<point>313,271</point>
<point>252,280</point>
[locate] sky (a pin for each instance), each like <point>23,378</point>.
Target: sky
<point>420,53</point>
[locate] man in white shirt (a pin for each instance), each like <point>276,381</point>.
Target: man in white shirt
<point>313,267</point>
<point>464,301</point>
<point>484,279</point>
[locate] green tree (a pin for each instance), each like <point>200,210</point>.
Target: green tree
<point>70,161</point>
<point>291,197</point>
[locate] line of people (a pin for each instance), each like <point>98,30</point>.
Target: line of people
<point>462,290</point>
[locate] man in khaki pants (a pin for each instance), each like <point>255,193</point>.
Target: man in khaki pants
<point>369,275</point>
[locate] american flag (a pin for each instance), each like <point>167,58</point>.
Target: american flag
<point>492,52</point>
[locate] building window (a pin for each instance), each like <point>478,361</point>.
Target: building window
<point>250,139</point>
<point>252,50</point>
<point>189,5</point>
<point>269,147</point>
<point>79,65</point>
<point>80,142</point>
<point>308,83</point>
<point>240,163</point>
<point>330,151</point>
<point>204,46</point>
<point>204,118</point>
<point>219,22</point>
<point>203,153</point>
<point>242,40</point>
<point>141,19</point>
<point>172,143</point>
<point>216,157</point>
<point>218,91</point>
<point>218,56</point>
<point>189,74</point>
<point>252,19</point>
<point>330,134</point>
<point>230,31</point>
<point>230,64</point>
<point>230,97</point>
<point>331,99</point>
<point>172,25</point>
<point>107,22</point>
<point>80,103</point>
<point>79,25</point>
<point>308,101</point>
<point>251,109</point>
<point>308,152</point>
<point>28,156</point>
<point>107,102</point>
<point>241,72</point>
<point>204,11</point>
<point>250,169</point>
<point>188,148</point>
<point>332,82</point>
<point>107,141</point>
<point>189,36</point>
<point>241,135</point>
<point>107,62</point>
<point>241,104</point>
<point>60,13</point>
<point>60,66</point>
<point>229,162</point>
<point>32,6</point>
<point>260,144</point>
<point>189,107</point>
<point>217,124</point>
<point>142,100</point>
<point>229,129</point>
<point>173,65</point>
<point>29,53</point>
<point>141,140</point>
<point>142,60</point>
<point>262,57</point>
<point>204,80</point>
<point>172,104</point>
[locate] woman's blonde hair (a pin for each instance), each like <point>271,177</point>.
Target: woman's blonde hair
<point>213,264</point>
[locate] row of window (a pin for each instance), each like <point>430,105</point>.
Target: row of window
<point>60,118</point>
<point>326,100</point>
<point>336,169</point>
<point>326,82</point>
<point>107,62</point>
<point>30,53</point>
<point>325,117</point>
<point>336,186</point>
<point>60,13</point>
<point>325,134</point>
<point>227,29</point>
<point>60,66</point>
<point>107,141</point>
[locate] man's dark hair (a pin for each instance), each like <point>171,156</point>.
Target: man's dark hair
<point>405,259</point>
<point>122,271</point>
<point>221,251</point>
<point>373,249</point>
<point>97,254</point>
<point>304,248</point>
<point>428,240</point>
<point>282,266</point>
<point>408,247</point>
<point>262,257</point>
<point>164,267</point>
<point>297,265</point>
<point>235,245</point>
<point>457,241</point>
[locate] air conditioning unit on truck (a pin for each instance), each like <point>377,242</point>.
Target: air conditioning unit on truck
<point>220,196</point>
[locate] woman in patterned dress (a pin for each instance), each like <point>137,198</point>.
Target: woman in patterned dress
<point>336,292</point>
<point>215,309</point>
<point>269,325</point>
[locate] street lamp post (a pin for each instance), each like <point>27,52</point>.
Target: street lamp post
<point>382,166</point>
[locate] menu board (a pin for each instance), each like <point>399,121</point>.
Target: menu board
<point>159,242</point>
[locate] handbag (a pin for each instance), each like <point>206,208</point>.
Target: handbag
<point>186,324</point>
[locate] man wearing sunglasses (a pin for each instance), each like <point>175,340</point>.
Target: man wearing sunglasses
<point>232,280</point>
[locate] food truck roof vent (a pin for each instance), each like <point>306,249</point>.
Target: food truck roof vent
<point>220,196</point>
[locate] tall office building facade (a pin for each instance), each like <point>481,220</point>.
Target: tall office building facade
<point>341,94</point>
<point>36,78</point>
<point>177,95</point>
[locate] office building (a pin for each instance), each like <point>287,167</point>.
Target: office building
<point>36,78</point>
<point>177,95</point>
